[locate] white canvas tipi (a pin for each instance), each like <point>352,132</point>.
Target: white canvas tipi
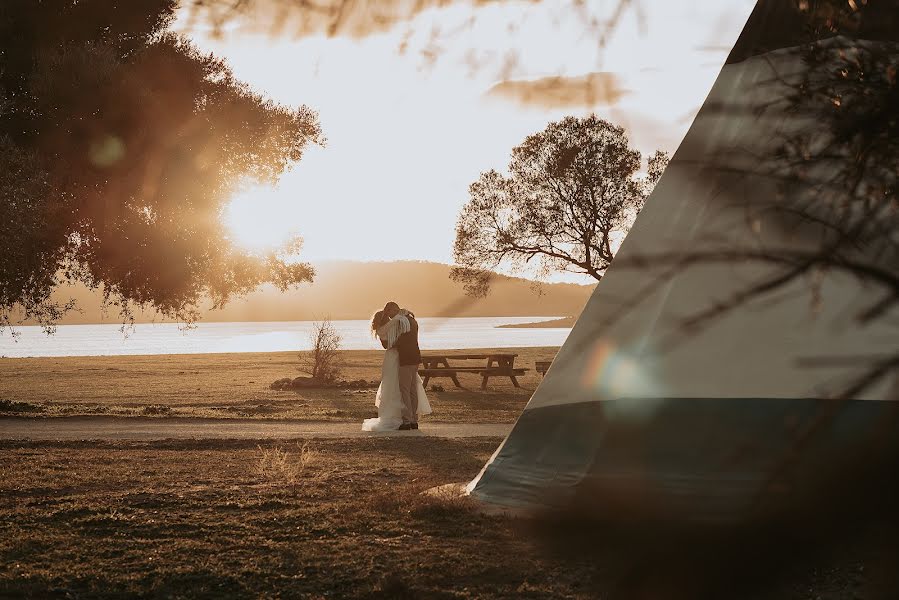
<point>641,412</point>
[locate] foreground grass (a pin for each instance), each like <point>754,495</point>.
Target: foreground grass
<point>236,385</point>
<point>345,519</point>
<point>223,519</point>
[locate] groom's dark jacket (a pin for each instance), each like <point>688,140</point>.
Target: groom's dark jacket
<point>407,345</point>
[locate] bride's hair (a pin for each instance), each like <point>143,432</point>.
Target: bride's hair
<point>377,320</point>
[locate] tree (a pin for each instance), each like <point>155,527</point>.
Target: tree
<point>120,144</point>
<point>572,192</point>
<point>322,361</point>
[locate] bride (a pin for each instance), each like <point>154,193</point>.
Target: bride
<point>388,400</point>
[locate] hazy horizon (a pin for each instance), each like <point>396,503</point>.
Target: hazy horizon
<point>351,290</point>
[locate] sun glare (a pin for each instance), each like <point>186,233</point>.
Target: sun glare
<point>407,136</point>
<point>253,219</point>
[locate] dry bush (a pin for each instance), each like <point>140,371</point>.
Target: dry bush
<point>323,360</point>
<point>278,466</point>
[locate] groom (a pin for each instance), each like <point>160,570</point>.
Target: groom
<point>410,358</point>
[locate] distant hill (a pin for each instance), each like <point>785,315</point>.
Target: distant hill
<point>354,290</point>
<point>564,322</point>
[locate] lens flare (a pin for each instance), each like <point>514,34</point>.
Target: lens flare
<point>614,374</point>
<point>106,151</point>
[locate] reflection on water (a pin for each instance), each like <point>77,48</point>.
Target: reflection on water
<point>167,338</point>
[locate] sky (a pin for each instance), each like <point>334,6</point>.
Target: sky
<point>415,112</point>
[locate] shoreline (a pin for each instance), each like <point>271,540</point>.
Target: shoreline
<point>445,335</point>
<point>273,353</point>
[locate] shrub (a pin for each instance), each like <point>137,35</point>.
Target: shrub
<point>322,361</point>
<point>12,406</point>
<point>280,467</point>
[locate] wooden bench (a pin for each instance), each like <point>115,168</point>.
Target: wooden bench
<point>498,365</point>
<point>542,366</point>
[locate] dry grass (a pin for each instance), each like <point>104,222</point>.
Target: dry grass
<point>328,518</point>
<point>281,468</point>
<point>233,519</point>
<point>234,385</point>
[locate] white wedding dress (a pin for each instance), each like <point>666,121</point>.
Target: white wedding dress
<point>388,399</point>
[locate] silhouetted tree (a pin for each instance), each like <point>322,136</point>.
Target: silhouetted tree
<point>120,145</point>
<point>573,190</point>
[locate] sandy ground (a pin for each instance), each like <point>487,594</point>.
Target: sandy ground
<point>237,386</point>
<point>138,428</point>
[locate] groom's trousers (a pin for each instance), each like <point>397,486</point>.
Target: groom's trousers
<point>409,392</point>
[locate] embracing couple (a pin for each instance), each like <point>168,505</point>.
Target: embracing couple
<point>401,397</point>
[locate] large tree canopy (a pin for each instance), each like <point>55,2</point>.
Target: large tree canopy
<point>572,192</point>
<point>120,146</point>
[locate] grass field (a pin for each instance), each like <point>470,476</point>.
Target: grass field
<point>226,519</point>
<point>342,519</point>
<point>237,385</point>
<point>339,518</point>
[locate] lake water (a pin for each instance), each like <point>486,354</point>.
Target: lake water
<point>168,338</point>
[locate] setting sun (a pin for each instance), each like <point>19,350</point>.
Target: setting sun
<point>409,127</point>
<point>253,221</point>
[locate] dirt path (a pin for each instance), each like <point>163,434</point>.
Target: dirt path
<point>134,428</point>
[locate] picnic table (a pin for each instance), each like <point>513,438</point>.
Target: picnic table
<point>498,364</point>
<point>542,366</point>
